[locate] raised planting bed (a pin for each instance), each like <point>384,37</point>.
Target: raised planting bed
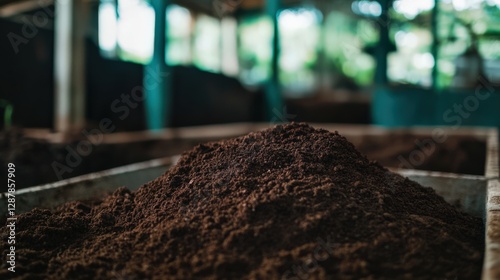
<point>478,196</point>
<point>42,157</point>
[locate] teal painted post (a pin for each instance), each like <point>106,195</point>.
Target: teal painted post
<point>156,74</point>
<point>435,44</point>
<point>274,100</point>
<point>382,49</point>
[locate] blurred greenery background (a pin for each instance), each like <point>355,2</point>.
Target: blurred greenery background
<point>324,46</point>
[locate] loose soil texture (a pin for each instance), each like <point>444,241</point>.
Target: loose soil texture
<point>291,202</point>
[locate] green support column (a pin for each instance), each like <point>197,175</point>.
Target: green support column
<point>435,44</point>
<point>382,49</point>
<point>156,74</point>
<point>274,100</point>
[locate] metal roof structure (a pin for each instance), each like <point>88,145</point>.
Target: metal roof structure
<point>10,8</point>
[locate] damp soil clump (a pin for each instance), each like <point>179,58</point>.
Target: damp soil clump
<point>290,202</point>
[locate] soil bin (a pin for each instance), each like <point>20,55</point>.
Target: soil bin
<point>40,161</point>
<point>35,151</point>
<point>476,195</point>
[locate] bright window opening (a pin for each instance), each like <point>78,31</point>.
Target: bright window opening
<point>207,43</point>
<point>180,30</point>
<point>127,31</point>
<point>255,39</point>
<point>299,41</point>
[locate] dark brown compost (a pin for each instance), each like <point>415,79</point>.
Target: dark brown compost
<point>291,202</point>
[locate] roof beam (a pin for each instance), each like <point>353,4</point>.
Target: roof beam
<point>21,7</point>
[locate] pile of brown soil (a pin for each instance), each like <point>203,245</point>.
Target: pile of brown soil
<point>290,202</point>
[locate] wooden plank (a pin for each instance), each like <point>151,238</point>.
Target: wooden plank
<point>19,7</point>
<point>491,268</point>
<point>219,131</point>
